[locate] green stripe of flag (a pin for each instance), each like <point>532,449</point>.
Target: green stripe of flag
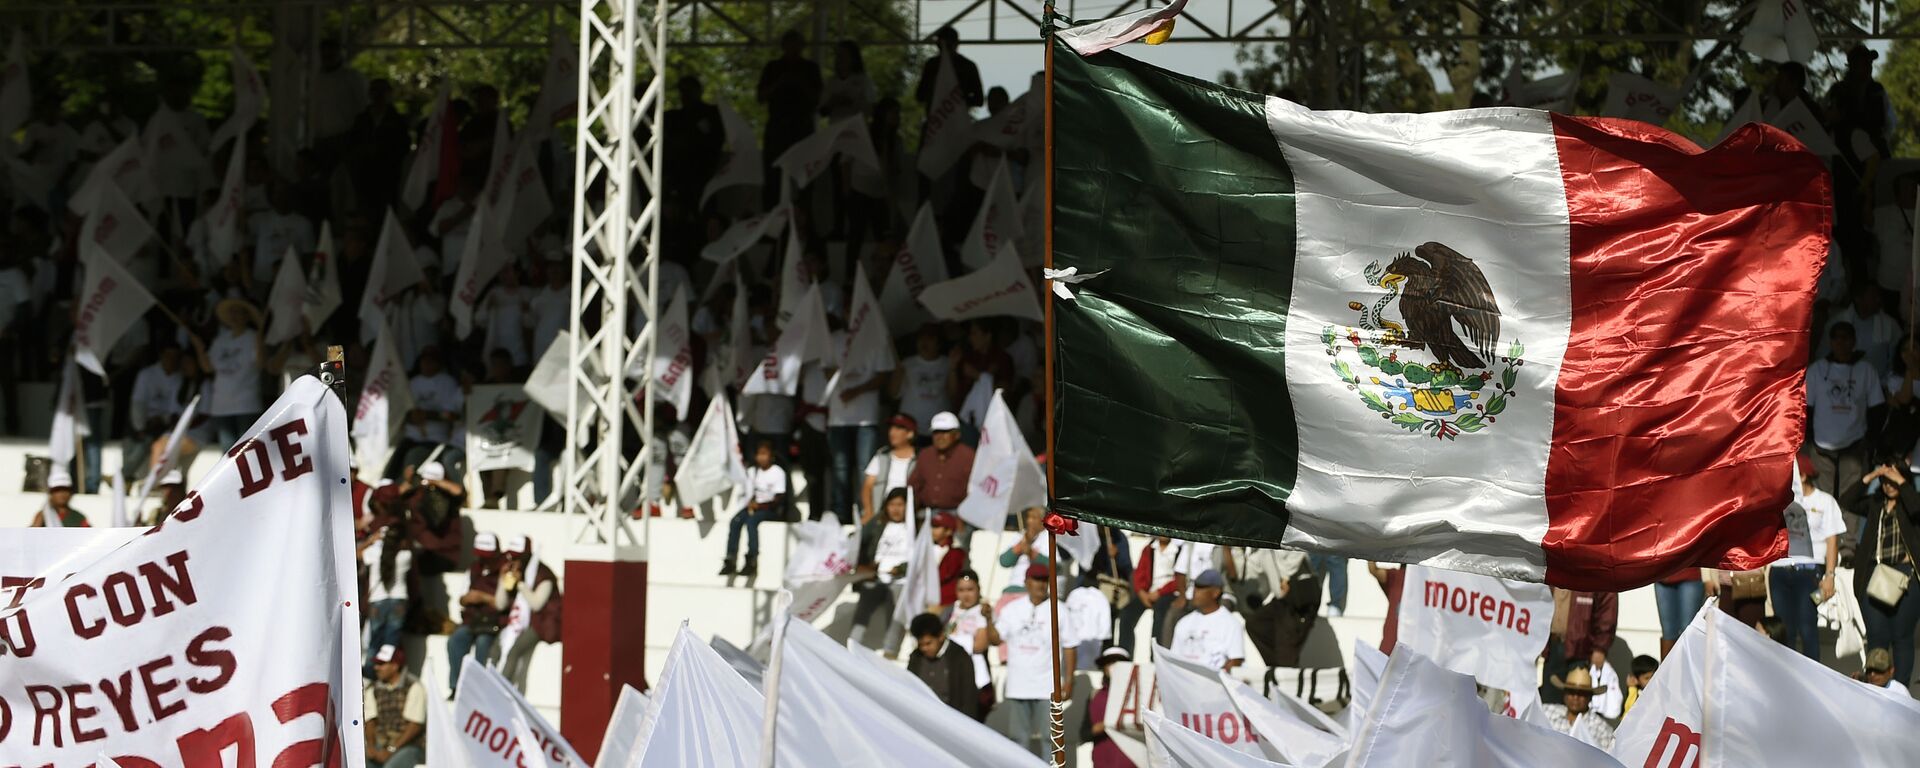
<point>1172,407</point>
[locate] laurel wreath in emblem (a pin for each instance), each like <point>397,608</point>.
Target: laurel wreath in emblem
<point>1436,398</point>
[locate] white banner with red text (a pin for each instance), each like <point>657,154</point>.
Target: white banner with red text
<point>1492,629</point>
<point>232,628</point>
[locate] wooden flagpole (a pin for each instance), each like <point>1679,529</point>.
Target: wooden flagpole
<point>1057,754</point>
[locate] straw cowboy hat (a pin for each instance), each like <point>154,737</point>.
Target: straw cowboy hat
<point>1578,681</point>
<point>228,308</point>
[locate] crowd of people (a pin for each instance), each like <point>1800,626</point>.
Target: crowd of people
<point>864,452</point>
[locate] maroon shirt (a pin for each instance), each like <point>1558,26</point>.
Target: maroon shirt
<point>1591,619</point>
<point>939,480</point>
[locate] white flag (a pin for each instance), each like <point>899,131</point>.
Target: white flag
<point>739,359</point>
<point>551,377</point>
<point>503,428</point>
<point>246,593</point>
<point>949,126</point>
<point>124,167</point>
<point>919,263</point>
<point>248,96</point>
<point>394,270</point>
<point>169,452</point>
<point>1369,664</point>
<point>630,713</point>
<point>1191,695</point>
<point>1717,699</point>
<point>384,403</point>
<point>16,89</point>
<point>323,283</point>
<point>486,711</point>
<point>996,225</point>
<point>1428,716</point>
<point>814,154</point>
<point>1488,628</point>
<point>1006,479</point>
<point>1798,119</point>
<point>794,277</point>
<point>1554,94</point>
<point>114,225</point>
<point>426,157</point>
<point>1008,130</point>
<point>742,166</point>
<point>803,341</point>
<point>1001,288</point>
<point>1781,30</point>
<point>898,725</point>
<point>69,418</point>
<point>869,344</point>
<point>479,262</point>
<point>744,234</point>
<point>1291,731</point>
<point>1173,745</point>
<point>1089,39</point>
<point>1636,98</point>
<point>117,514</point>
<point>705,714</point>
<point>111,301</point>
<point>287,300</point>
<point>673,355</point>
<point>712,465</point>
<point>922,579</point>
<point>224,238</point>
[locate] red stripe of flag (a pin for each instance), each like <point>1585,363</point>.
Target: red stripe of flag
<point>1681,401</point>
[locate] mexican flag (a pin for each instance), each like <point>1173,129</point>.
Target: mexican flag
<point>1504,341</point>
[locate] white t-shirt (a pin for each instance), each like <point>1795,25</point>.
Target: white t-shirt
<point>1840,395</point>
<point>1027,630</point>
<point>1210,638</point>
<point>923,393</point>
<point>892,551</point>
<point>505,311</point>
<point>1610,703</point>
<point>402,562</point>
<point>962,628</point>
<point>437,394</point>
<point>236,375</point>
<point>1092,615</point>
<point>1874,335</point>
<point>1166,564</point>
<point>552,312</point>
<point>1824,519</point>
<point>765,484</point>
<point>896,473</point>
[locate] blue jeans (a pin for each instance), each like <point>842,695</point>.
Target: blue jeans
<point>1792,588</point>
<point>1678,603</point>
<point>750,520</point>
<point>851,447</point>
<point>1893,627</point>
<point>462,640</point>
<point>383,626</point>
<point>1027,724</point>
<point>1333,568</point>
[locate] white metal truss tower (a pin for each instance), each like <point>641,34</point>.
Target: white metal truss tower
<point>616,251</point>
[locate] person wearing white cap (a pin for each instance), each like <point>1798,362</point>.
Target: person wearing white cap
<point>536,607</point>
<point>396,710</point>
<point>58,512</point>
<point>940,474</point>
<point>1106,753</point>
<point>481,608</point>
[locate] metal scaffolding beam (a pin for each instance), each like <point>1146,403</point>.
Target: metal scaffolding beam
<point>616,249</point>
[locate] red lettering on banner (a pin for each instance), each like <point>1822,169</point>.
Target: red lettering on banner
<point>257,474</point>
<point>1685,742</point>
<point>158,688</point>
<point>203,747</point>
<point>45,712</point>
<point>77,712</point>
<point>309,699</point>
<point>293,457</point>
<point>83,322</point>
<point>120,697</point>
<point>974,303</point>
<point>125,603</point>
<point>909,271</point>
<point>223,661</point>
<point>81,627</point>
<point>103,231</point>
<point>1492,609</point>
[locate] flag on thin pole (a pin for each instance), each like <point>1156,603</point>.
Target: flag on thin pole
<point>1450,318</point>
<point>248,96</point>
<point>111,301</point>
<point>323,283</point>
<point>426,157</point>
<point>394,270</point>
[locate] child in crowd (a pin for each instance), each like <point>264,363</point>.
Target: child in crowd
<point>767,487</point>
